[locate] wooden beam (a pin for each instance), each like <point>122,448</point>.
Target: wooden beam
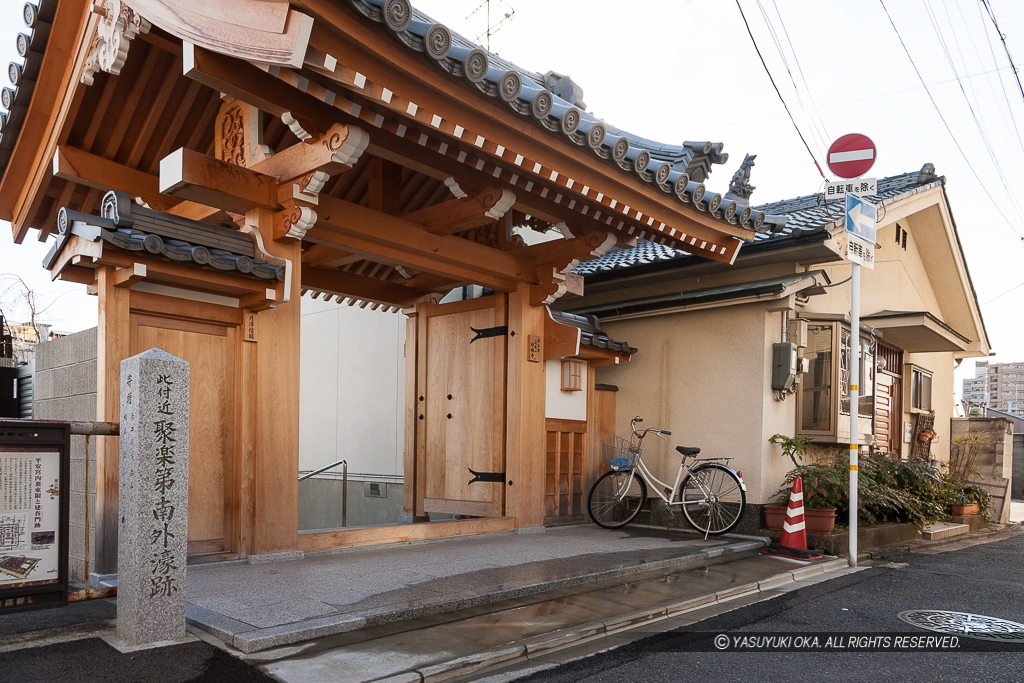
<point>126,277</point>
<point>340,283</point>
<point>562,252</point>
<point>251,84</point>
<point>449,256</point>
<point>81,167</point>
<point>456,215</point>
<point>333,152</point>
<point>197,177</point>
<point>385,185</point>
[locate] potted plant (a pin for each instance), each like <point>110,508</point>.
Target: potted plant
<point>972,500</point>
<point>821,485</point>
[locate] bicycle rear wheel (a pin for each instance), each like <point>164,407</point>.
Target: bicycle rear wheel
<point>712,499</point>
<point>616,498</point>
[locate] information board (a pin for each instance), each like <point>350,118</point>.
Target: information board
<point>34,466</point>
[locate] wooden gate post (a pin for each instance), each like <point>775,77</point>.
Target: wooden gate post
<point>274,406</point>
<point>525,435</point>
<point>112,347</point>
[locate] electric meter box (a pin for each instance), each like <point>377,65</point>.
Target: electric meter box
<point>798,333</point>
<point>784,366</point>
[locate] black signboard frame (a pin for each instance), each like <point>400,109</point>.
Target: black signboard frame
<point>27,436</point>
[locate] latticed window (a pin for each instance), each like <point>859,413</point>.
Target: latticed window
<point>572,375</point>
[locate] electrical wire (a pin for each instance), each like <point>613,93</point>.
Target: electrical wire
<point>1002,85</point>
<point>946,124</point>
<point>1003,294</point>
<point>777,92</point>
<point>1002,37</point>
<point>978,123</point>
<point>817,126</point>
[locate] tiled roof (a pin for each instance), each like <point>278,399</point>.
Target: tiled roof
<point>15,98</point>
<point>554,102</point>
<point>136,228</point>
<point>789,218</point>
<point>591,333</point>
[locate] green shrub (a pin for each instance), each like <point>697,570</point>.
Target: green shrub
<point>888,489</point>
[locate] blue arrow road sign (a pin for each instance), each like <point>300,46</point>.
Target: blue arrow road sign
<point>860,218</point>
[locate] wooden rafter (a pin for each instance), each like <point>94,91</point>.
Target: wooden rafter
<point>340,283</point>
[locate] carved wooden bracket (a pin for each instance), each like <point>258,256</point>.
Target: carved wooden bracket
<point>565,255</point>
<point>117,26</point>
<point>293,222</point>
<point>238,137</point>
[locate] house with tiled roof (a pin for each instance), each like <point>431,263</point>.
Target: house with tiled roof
<point>710,338</point>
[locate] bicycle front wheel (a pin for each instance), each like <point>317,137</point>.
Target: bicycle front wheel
<point>616,498</point>
<point>712,499</point>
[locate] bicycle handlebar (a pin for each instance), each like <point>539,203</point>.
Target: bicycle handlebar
<point>632,425</point>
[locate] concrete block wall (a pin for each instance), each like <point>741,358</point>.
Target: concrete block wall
<point>995,455</point>
<point>320,501</point>
<point>65,389</point>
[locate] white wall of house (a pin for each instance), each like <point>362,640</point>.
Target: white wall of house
<point>565,405</point>
<point>352,388</point>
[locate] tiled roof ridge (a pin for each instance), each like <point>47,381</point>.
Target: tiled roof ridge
<point>555,103</point>
<point>15,98</point>
<point>788,218</point>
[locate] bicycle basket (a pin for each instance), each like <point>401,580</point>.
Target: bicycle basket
<point>619,453</point>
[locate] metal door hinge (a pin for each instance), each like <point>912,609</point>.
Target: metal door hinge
<point>497,477</point>
<point>487,332</point>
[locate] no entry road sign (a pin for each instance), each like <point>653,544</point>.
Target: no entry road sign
<point>851,156</point>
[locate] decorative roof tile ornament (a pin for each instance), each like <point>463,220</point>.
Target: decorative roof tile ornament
<point>117,26</point>
<point>740,187</point>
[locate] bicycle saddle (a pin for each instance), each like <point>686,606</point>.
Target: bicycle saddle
<point>688,450</point>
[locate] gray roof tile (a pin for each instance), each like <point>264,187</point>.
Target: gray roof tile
<point>789,218</point>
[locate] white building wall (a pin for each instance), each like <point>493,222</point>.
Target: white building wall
<point>351,388</point>
<point>565,405</point>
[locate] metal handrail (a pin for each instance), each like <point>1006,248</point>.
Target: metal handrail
<point>324,469</point>
<point>344,486</point>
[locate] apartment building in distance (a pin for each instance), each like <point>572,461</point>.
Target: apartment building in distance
<point>999,386</point>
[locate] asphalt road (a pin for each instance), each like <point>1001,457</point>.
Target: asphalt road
<point>984,579</point>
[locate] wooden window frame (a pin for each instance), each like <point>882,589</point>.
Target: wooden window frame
<point>572,374</point>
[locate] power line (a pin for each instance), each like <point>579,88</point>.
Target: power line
<point>781,98</point>
<point>1002,85</point>
<point>979,124</point>
<point>946,124</point>
<point>1003,294</point>
<point>1002,37</point>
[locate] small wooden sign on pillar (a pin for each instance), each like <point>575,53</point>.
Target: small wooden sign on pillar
<point>153,498</point>
<point>250,327</point>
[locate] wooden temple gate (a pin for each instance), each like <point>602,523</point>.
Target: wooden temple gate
<point>202,165</point>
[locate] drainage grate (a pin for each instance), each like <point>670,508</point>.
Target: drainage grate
<point>965,624</point>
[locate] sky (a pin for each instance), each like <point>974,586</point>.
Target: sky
<point>675,70</point>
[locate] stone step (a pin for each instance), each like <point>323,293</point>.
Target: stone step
<point>934,532</point>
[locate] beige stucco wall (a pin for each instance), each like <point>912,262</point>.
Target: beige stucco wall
<point>706,376</point>
<point>351,388</point>
<point>900,281</point>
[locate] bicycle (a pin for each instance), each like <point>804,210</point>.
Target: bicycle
<point>712,496</point>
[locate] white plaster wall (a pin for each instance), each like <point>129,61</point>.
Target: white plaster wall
<point>565,405</point>
<point>351,388</point>
<point>704,375</point>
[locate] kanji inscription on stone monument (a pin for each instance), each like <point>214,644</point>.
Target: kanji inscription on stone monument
<point>153,533</point>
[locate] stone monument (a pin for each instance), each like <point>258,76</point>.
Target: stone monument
<point>153,498</point>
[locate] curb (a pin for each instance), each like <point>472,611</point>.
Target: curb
<point>921,544</point>
<point>250,639</point>
<point>505,654</point>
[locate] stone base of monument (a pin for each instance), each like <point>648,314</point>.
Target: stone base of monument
<point>125,647</point>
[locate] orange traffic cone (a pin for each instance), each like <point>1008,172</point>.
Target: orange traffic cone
<point>794,538</point>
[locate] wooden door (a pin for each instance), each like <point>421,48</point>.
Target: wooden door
<point>464,419</point>
<point>210,349</point>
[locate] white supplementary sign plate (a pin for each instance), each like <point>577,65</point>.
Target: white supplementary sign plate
<point>864,187</point>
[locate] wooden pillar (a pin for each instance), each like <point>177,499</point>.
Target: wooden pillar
<point>274,497</point>
<point>412,475</point>
<point>525,435</point>
<point>112,347</point>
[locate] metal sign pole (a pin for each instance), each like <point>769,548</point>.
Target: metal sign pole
<point>854,407</point>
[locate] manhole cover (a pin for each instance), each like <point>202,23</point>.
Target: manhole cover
<point>965,624</point>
